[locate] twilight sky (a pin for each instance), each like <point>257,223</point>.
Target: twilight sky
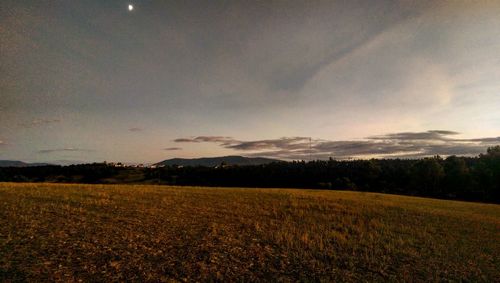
<point>87,80</point>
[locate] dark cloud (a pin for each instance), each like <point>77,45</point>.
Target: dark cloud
<point>136,129</point>
<point>172,148</point>
<point>56,150</point>
<point>394,145</point>
<point>214,139</point>
<point>183,140</point>
<point>288,143</point>
<point>443,132</point>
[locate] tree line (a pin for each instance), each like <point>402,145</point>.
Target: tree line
<point>461,178</point>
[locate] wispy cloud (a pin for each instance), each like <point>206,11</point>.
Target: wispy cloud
<point>136,129</point>
<point>39,122</point>
<point>68,149</point>
<point>393,145</point>
<point>172,148</point>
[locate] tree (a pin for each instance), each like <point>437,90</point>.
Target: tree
<point>493,152</point>
<point>428,173</point>
<point>457,176</point>
<point>488,173</point>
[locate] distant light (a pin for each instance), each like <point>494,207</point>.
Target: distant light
<point>130,7</point>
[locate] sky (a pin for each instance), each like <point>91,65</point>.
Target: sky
<point>85,81</point>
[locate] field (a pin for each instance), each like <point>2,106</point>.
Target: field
<point>155,233</point>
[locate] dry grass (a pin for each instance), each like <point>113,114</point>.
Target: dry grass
<point>151,233</point>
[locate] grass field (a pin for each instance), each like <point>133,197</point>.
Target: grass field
<point>153,233</point>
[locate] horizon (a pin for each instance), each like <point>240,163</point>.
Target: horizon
<point>347,159</point>
<point>145,81</point>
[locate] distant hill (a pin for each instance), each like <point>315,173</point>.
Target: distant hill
<point>15,163</point>
<point>214,161</point>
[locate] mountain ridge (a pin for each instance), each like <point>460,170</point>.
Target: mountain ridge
<point>17,163</point>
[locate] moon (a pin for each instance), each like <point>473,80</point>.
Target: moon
<point>130,7</point>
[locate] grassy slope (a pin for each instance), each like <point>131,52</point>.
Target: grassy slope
<point>93,233</point>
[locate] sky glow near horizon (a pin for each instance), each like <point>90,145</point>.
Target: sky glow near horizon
<point>90,81</point>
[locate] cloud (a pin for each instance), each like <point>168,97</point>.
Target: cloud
<point>39,122</point>
<point>392,145</point>
<point>56,150</point>
<point>214,139</point>
<point>288,143</point>
<point>429,135</point>
<point>487,140</point>
<point>172,148</point>
<point>136,129</point>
